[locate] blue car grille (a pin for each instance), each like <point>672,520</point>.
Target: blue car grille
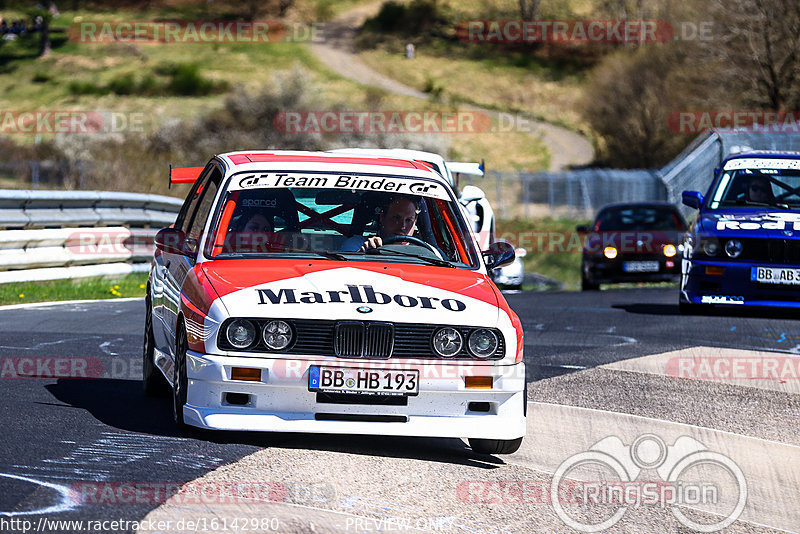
<point>777,251</point>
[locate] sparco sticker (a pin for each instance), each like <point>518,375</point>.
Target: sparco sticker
<point>393,184</point>
<point>361,294</point>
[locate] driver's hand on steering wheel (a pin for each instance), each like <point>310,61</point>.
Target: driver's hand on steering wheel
<point>371,242</point>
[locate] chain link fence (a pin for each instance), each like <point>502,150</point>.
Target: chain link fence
<point>579,194</point>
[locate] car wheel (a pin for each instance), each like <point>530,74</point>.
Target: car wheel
<point>687,308</point>
<point>153,383</point>
<point>179,379</point>
<point>588,285</point>
<point>495,446</point>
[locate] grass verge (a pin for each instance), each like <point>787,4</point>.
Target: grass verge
<point>553,247</point>
<point>132,285</point>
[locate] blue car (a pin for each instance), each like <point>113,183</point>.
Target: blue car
<point>744,247</point>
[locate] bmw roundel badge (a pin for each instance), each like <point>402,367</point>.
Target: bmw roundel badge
<point>363,309</point>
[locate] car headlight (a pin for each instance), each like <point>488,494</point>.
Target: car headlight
<point>710,246</point>
<point>241,333</point>
<point>482,343</point>
<point>277,335</point>
<point>734,248</point>
<point>610,252</point>
<point>670,250</point>
<point>447,342</point>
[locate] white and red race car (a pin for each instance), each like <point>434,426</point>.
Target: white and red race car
<point>266,313</point>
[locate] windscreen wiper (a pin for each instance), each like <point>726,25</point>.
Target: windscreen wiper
<point>324,253</point>
<point>776,204</point>
<point>428,259</point>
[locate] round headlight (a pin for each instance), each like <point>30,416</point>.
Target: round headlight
<point>241,333</point>
<point>482,343</point>
<point>670,250</point>
<point>733,248</point>
<point>447,342</point>
<point>711,247</point>
<point>277,335</point>
<point>610,253</point>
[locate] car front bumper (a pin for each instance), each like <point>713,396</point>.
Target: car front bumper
<point>281,400</point>
<point>734,286</point>
<point>612,271</point>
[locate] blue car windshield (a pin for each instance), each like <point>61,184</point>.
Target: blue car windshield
<point>757,187</point>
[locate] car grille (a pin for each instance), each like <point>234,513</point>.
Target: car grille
<point>364,339</point>
<point>779,251</point>
<point>355,339</point>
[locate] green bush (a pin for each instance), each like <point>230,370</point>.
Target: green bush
<point>86,88</point>
<point>41,77</point>
<point>420,16</point>
<point>187,81</point>
<point>123,85</point>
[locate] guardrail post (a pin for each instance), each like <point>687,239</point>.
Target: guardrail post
<point>34,173</point>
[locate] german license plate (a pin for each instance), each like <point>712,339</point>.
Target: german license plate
<point>640,266</point>
<point>775,275</point>
<point>363,381</point>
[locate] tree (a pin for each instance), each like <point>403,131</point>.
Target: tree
<point>630,98</point>
<point>529,9</point>
<point>757,50</point>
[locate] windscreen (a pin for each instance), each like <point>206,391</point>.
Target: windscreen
<point>639,218</point>
<point>340,217</point>
<point>754,187</point>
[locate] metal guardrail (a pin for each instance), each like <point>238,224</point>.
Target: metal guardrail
<point>49,235</point>
<point>581,193</point>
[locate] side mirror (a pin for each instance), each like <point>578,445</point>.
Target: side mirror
<point>471,193</point>
<point>171,241</point>
<point>500,253</point>
<point>693,199</point>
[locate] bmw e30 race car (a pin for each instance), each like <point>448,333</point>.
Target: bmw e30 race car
<point>268,311</point>
<point>744,247</point>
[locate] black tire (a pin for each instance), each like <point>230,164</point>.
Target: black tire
<point>587,285</point>
<point>687,308</point>
<point>153,383</point>
<point>179,380</point>
<point>495,446</point>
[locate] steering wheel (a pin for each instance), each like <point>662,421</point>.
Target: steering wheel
<point>414,241</point>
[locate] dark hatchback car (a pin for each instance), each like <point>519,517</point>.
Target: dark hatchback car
<point>634,242</point>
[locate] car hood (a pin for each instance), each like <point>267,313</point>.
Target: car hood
<point>765,223</point>
<point>346,290</point>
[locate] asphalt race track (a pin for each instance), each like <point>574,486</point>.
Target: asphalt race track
<point>617,371</point>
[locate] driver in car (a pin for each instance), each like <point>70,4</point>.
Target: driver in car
<point>759,189</point>
<point>398,218</point>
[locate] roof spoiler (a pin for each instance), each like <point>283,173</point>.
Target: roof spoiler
<point>184,175</point>
<point>462,167</point>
